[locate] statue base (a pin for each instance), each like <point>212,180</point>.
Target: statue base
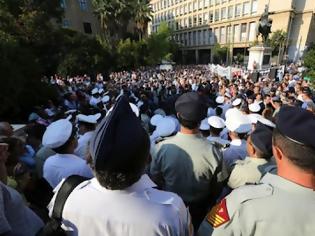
<point>259,57</point>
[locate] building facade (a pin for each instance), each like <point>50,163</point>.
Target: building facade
<point>79,16</point>
<point>199,24</point>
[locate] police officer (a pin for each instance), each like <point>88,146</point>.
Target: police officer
<point>258,162</point>
<point>189,164</point>
<point>282,204</point>
<point>121,200</point>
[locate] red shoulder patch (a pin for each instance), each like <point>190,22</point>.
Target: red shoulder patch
<point>218,214</point>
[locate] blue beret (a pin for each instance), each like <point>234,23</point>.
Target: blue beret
<point>261,137</point>
<point>118,137</point>
<point>297,124</point>
<point>191,107</point>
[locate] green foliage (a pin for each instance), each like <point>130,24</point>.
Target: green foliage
<point>146,52</point>
<point>277,41</point>
<point>219,53</point>
<point>309,62</point>
<point>117,16</point>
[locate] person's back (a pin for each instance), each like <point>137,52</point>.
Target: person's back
<point>121,200</point>
<point>187,162</point>
<point>282,204</point>
<point>135,211</point>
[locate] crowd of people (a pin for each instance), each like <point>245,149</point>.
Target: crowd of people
<point>179,152</point>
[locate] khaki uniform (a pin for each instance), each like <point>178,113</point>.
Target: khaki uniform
<point>249,171</point>
<point>275,207</point>
<point>188,164</point>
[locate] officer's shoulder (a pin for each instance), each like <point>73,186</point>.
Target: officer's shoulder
<point>165,198</point>
<point>247,193</point>
<point>164,140</point>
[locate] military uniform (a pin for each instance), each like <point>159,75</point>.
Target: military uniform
<point>249,171</point>
<point>188,164</point>
<point>276,206</point>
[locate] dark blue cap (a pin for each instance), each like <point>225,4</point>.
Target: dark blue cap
<point>297,124</point>
<point>261,138</point>
<point>191,106</point>
<point>118,137</point>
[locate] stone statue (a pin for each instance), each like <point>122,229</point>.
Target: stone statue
<point>264,26</point>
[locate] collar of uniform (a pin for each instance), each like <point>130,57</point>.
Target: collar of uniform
<point>67,155</point>
<point>237,142</point>
<point>143,183</point>
<point>180,134</point>
<point>257,160</point>
<point>286,185</point>
<point>89,133</point>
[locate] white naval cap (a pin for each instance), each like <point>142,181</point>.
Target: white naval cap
<point>254,118</point>
<point>70,111</point>
<point>100,90</point>
<point>92,119</point>
<point>57,133</point>
<point>219,100</point>
<point>238,122</point>
<point>254,107</point>
<point>166,127</point>
<point>94,91</point>
<point>204,124</point>
<point>237,102</point>
<point>105,99</point>
<point>156,119</point>
<point>216,122</point>
<point>227,94</point>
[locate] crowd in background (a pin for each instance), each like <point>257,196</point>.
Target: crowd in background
<point>234,108</point>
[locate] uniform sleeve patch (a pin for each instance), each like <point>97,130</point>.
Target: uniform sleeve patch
<point>218,214</point>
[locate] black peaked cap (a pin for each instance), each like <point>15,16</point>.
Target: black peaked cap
<point>118,137</point>
<point>262,138</point>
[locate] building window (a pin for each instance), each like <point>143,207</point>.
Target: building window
<point>246,8</point>
<point>63,4</point>
<point>206,18</point>
<point>217,15</point>
<point>252,31</point>
<point>230,12</point>
<point>83,5</point>
<point>254,6</point>
<point>211,2</point>
<point>223,35</point>
<point>216,35</point>
<point>236,33</point>
<point>195,5</point>
<point>223,13</point>
<point>87,27</point>
<point>244,32</point>
<point>210,17</point>
<point>65,23</point>
<point>229,34</point>
<point>238,10</point>
<point>200,19</point>
<point>217,2</point>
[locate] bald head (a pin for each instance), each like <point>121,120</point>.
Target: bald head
<point>5,129</point>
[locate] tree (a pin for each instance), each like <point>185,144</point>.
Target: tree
<point>219,54</point>
<point>278,41</point>
<point>115,16</point>
<point>143,15</point>
<point>309,62</point>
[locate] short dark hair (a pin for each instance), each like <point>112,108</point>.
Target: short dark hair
<point>120,174</point>
<point>300,155</point>
<point>88,126</point>
<point>187,123</point>
<point>215,131</point>
<point>63,149</point>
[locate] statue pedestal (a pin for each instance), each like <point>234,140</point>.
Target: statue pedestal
<point>261,56</point>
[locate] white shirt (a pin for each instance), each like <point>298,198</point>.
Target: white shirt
<point>60,166</point>
<point>138,210</point>
<point>236,151</point>
<point>15,217</point>
<point>83,142</point>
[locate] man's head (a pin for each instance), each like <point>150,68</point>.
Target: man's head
<point>87,123</point>
<point>61,137</point>
<point>294,140</point>
<point>6,129</point>
<point>120,148</point>
<point>190,109</point>
<point>259,143</point>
